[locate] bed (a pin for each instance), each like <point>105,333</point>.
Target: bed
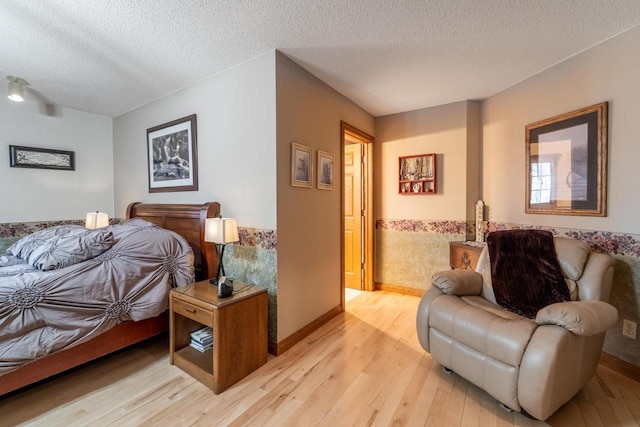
<point>191,257</point>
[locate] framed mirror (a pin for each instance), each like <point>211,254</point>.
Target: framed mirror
<point>566,163</point>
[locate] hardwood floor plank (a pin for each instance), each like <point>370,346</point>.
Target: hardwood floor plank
<point>476,412</point>
<point>264,409</point>
<point>429,403</point>
<point>390,397</point>
<point>599,400</point>
<point>414,405</point>
<point>353,401</point>
<point>364,367</point>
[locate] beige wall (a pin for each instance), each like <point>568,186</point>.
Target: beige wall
<point>452,132</point>
<point>235,141</point>
<point>309,276</point>
<point>45,195</point>
<point>607,72</point>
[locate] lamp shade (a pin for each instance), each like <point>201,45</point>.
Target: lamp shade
<point>221,230</point>
<point>96,220</point>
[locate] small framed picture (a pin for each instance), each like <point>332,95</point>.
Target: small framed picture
<point>41,158</point>
<point>173,156</point>
<point>325,170</point>
<point>301,166</point>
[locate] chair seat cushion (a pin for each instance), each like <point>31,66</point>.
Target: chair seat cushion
<point>483,326</point>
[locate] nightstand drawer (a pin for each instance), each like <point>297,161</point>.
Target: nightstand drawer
<point>192,312</point>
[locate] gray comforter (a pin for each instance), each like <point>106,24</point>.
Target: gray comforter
<point>42,312</point>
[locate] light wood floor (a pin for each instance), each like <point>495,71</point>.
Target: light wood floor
<point>365,367</point>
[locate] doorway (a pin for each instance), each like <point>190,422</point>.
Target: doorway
<point>357,212</point>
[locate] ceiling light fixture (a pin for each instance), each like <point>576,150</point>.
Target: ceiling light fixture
<point>16,88</point>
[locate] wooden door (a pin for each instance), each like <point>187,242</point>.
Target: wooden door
<point>353,216</point>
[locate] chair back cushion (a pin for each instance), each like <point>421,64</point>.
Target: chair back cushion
<point>572,255</point>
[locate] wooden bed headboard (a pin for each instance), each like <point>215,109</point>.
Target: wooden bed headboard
<point>189,222</point>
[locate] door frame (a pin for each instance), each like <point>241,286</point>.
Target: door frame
<point>367,175</point>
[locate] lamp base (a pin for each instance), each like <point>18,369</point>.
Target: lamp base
<point>225,286</point>
<point>225,289</point>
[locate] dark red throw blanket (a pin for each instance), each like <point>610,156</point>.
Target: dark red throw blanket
<point>525,272</point>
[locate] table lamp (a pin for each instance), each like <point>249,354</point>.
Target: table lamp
<point>220,231</point>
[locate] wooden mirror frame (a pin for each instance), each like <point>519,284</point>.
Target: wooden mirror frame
<point>571,179</point>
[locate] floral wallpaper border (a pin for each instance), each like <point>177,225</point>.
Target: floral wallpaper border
<point>624,244</point>
<point>262,239</point>
<point>422,226</point>
<point>250,237</point>
<point>600,241</point>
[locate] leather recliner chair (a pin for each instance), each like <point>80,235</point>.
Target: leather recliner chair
<point>535,365</point>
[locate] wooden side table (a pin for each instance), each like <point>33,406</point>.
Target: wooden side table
<point>463,255</point>
<point>239,325</point>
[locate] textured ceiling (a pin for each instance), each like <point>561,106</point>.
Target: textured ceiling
<point>111,56</point>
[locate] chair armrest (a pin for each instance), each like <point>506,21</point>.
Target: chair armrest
<point>458,282</point>
<point>584,318</point>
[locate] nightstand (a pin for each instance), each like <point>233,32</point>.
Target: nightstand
<point>464,255</point>
<point>239,325</point>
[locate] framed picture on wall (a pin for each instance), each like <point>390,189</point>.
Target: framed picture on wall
<point>172,156</point>
<point>41,158</point>
<point>301,166</point>
<point>325,170</point>
<point>566,163</point>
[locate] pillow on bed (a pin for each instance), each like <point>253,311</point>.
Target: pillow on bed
<point>23,247</point>
<point>71,248</point>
